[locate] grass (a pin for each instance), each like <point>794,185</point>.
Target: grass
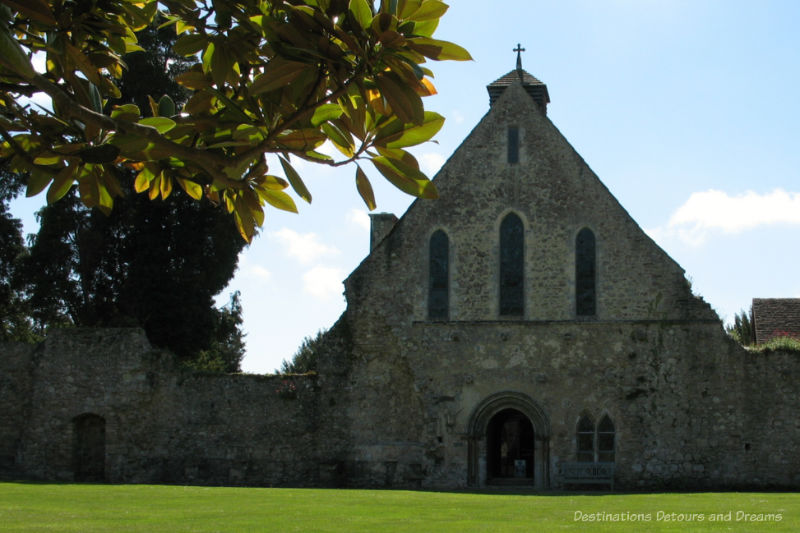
<point>86,508</point>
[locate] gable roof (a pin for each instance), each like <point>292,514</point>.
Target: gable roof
<point>535,88</point>
<point>776,317</point>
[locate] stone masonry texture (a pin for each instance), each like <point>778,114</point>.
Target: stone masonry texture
<point>400,400</point>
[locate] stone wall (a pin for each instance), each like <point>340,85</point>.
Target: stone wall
<point>162,423</point>
<point>691,409</point>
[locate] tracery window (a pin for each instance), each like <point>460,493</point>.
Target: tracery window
<point>595,444</point>
<point>512,266</point>
<point>439,274</point>
<point>585,440</point>
<point>605,440</point>
<point>585,274</point>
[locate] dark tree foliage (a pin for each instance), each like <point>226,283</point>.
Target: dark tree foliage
<point>743,329</point>
<point>154,264</point>
<point>306,357</point>
<point>15,324</point>
<point>226,350</point>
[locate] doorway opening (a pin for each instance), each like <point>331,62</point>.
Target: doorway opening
<point>510,448</point>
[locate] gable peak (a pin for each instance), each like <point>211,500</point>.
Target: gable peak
<point>535,88</point>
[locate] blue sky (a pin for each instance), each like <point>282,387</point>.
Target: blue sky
<point>688,111</point>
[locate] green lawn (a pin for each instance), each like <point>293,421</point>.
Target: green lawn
<point>51,507</point>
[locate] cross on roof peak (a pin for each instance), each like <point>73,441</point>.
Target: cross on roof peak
<point>519,51</point>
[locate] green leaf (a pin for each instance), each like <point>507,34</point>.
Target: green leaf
<point>341,140</point>
<point>278,73</point>
<point>190,44</point>
<point>97,101</point>
<point>406,178</point>
<point>439,50</point>
<point>365,189</point>
<point>61,184</point>
<point>126,112</point>
<point>207,56</point>
<point>278,199</point>
<point>248,133</point>
<point>412,134</point>
<point>47,159</point>
<point>195,190</point>
<point>301,140</point>
<point>162,124</point>
<point>430,10</point>
<point>325,113</point>
<point>37,181</point>
<point>194,79</point>
<point>362,12</point>
<point>222,64</point>
<point>166,107</point>
<point>294,178</point>
<point>143,180</point>
<point>405,103</point>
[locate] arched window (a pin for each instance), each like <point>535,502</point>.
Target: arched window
<point>512,266</point>
<point>605,440</point>
<point>585,436</point>
<point>439,274</point>
<point>585,274</point>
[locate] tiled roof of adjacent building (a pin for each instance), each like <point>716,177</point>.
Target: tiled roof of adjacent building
<point>776,317</point>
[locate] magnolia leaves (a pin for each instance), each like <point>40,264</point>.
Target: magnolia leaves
<point>272,77</point>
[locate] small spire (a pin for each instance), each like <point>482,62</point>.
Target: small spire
<point>519,51</point>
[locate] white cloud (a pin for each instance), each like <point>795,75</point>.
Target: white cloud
<point>253,271</point>
<point>716,211</point>
<point>260,273</point>
<point>323,282</point>
<point>359,217</point>
<point>305,247</point>
<point>431,162</point>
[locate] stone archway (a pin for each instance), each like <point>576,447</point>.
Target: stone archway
<point>509,438</point>
<point>89,447</point>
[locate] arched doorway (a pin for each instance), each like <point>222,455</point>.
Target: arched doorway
<point>89,447</point>
<point>509,447</point>
<point>508,442</point>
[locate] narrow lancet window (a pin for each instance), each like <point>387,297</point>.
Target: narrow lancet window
<point>605,440</point>
<point>585,437</point>
<point>585,274</point>
<point>438,283</point>
<point>513,144</point>
<point>512,266</point>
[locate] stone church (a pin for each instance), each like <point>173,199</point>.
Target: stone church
<point>521,330</point>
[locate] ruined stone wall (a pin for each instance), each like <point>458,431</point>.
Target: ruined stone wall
<point>15,395</point>
<point>162,423</point>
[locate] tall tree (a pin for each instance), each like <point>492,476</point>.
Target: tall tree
<point>15,323</point>
<point>157,264</point>
<point>277,77</point>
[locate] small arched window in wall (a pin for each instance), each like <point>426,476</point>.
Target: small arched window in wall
<point>512,266</point>
<point>585,274</point>
<point>585,436</point>
<point>439,275</point>
<point>605,440</point>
